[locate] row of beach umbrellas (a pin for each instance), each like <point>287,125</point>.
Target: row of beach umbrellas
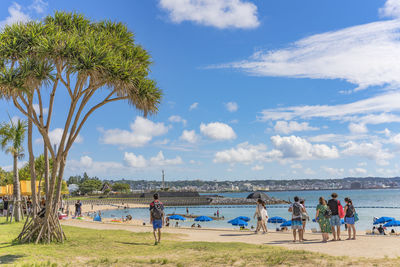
<point>197,219</point>
<point>243,220</point>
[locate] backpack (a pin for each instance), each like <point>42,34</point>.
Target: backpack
<point>296,209</point>
<point>157,210</point>
<point>328,213</point>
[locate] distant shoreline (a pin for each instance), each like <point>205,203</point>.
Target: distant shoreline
<point>291,190</point>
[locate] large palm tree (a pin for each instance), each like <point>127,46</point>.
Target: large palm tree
<point>94,62</point>
<point>12,137</point>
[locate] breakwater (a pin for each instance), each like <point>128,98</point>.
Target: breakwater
<point>176,201</point>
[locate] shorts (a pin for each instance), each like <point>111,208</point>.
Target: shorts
<point>335,220</point>
<point>297,224</point>
<point>157,224</point>
<point>349,220</point>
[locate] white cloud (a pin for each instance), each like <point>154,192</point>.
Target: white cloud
<point>231,106</point>
<point>36,107</point>
<point>333,138</point>
<point>292,126</point>
<point>135,161</point>
<point>358,128</point>
<point>194,106</point>
<point>242,153</point>
<point>333,171</point>
<point>296,166</point>
<point>15,15</point>
<point>364,55</point>
<point>87,164</point>
<point>217,13</point>
<point>141,133</point>
<point>362,164</point>
<point>373,151</point>
<point>299,148</point>
<point>357,171</point>
<point>39,6</point>
<point>391,9</point>
<point>160,160</point>
<point>217,131</point>
<point>177,119</point>
<point>55,136</point>
<point>139,161</point>
<point>382,104</point>
<point>285,148</point>
<point>189,136</point>
<point>309,171</point>
<point>257,168</point>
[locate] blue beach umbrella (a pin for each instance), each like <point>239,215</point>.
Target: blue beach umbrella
<point>238,222</point>
<point>286,224</point>
<point>392,224</point>
<point>244,218</point>
<point>203,219</point>
<point>177,217</point>
<point>384,220</point>
<point>276,219</point>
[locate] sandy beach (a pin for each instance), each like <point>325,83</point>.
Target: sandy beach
<point>364,246</point>
<point>100,207</point>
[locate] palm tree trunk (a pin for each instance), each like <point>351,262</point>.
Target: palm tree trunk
<point>32,170</point>
<point>46,170</point>
<point>17,192</point>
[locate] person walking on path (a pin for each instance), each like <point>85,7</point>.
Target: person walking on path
<point>333,205</point>
<point>304,216</point>
<point>322,217</point>
<point>262,216</point>
<point>258,214</point>
<point>157,217</point>
<point>349,218</point>
<point>297,225</point>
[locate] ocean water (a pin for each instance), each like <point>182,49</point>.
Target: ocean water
<point>368,203</point>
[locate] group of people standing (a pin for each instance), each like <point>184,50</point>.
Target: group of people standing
<point>328,215</point>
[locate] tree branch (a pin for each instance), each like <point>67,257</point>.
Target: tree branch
<point>105,101</point>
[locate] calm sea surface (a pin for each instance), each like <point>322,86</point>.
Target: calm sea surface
<point>363,200</point>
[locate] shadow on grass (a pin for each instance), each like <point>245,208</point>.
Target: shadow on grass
<point>134,243</point>
<point>7,259</point>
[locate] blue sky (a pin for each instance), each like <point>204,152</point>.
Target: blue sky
<point>252,90</point>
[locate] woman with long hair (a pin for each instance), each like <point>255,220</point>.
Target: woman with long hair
<point>260,214</point>
<point>349,218</point>
<point>323,220</point>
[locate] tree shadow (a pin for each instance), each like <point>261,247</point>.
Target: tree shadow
<point>9,258</point>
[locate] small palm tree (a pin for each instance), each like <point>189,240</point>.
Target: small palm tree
<point>12,136</point>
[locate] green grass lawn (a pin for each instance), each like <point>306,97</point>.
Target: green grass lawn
<point>86,247</point>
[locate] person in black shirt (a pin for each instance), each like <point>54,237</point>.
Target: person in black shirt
<point>5,206</point>
<point>335,219</point>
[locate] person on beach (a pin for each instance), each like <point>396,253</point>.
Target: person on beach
<point>264,218</point>
<point>157,217</point>
<point>260,214</point>
<point>5,206</point>
<point>297,225</point>
<point>78,208</point>
<point>323,220</point>
<point>333,205</point>
<point>349,218</point>
<point>304,215</point>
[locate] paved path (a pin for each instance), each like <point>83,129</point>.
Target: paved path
<point>364,246</point>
